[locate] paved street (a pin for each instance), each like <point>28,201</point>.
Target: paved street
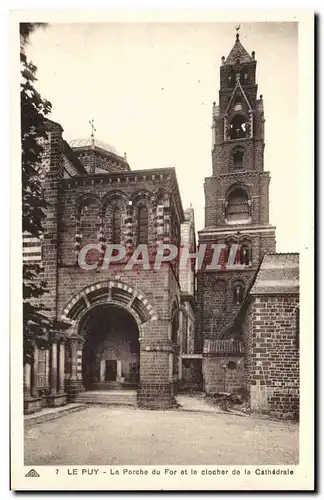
<point>116,436</point>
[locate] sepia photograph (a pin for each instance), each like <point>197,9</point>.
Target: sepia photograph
<point>162,224</point>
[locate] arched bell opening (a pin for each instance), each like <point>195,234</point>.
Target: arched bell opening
<point>238,206</point>
<point>111,350</point>
<point>239,127</point>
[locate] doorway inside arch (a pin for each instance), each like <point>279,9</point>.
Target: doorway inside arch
<point>111,351</point>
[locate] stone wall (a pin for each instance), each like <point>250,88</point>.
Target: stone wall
<point>55,172</point>
<point>223,156</point>
<point>223,374</point>
<point>272,355</point>
<point>216,305</point>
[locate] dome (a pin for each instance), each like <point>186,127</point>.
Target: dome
<point>86,142</point>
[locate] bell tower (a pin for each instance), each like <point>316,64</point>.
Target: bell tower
<point>236,194</point>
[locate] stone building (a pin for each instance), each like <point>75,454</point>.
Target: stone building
<point>156,331</point>
<point>116,328</point>
<point>240,351</point>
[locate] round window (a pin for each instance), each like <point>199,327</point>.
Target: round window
<point>231,365</point>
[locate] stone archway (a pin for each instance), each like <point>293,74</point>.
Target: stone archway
<point>100,296</point>
<point>111,349</point>
<point>109,292</point>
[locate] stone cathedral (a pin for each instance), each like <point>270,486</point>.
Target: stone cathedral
<point>140,336</point>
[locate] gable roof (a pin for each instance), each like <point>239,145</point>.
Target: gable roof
<point>278,274</point>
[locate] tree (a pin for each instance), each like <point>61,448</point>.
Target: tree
<point>34,110</point>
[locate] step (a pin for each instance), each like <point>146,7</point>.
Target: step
<point>117,397</point>
<point>108,398</point>
<point>107,403</point>
<point>52,413</point>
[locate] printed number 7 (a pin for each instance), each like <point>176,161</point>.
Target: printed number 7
<point>57,471</point>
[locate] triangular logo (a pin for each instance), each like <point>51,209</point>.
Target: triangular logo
<point>32,473</point>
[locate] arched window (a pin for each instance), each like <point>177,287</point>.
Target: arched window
<point>142,235</point>
<point>238,293</point>
<point>238,128</point>
<point>238,156</point>
<point>116,225</point>
<point>237,207</point>
<point>232,79</point>
<point>243,76</point>
<point>229,246</point>
<point>245,255</point>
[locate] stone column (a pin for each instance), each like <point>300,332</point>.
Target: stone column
<point>74,357</point>
<point>180,369</point>
<point>27,377</point>
<point>53,369</point>
<point>57,397</point>
<point>102,370</point>
<point>75,379</point>
<point>119,370</point>
<point>47,369</point>
<point>32,401</point>
<point>79,359</point>
<point>61,366</point>
<point>155,388</point>
<point>34,373</point>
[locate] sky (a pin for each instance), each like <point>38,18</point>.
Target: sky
<point>150,87</point>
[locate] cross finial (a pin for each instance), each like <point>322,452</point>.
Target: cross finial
<point>93,129</point>
<point>237,31</point>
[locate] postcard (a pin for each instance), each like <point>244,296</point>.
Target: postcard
<point>162,316</point>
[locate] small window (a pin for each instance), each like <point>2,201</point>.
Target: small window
<point>232,79</point>
<point>238,293</point>
<point>186,363</point>
<point>243,75</point>
<point>238,156</point>
<point>245,255</point>
<point>116,225</point>
<point>142,225</point>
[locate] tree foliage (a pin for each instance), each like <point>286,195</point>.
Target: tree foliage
<point>34,110</point>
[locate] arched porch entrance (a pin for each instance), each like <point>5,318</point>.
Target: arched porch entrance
<point>99,313</point>
<point>111,349</point>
